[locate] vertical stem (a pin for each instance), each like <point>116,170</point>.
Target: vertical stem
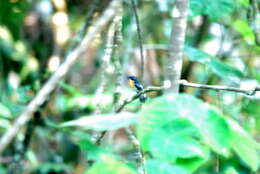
<point>140,155</point>
<point>116,37</point>
<point>118,58</point>
<point>139,39</point>
<point>173,64</point>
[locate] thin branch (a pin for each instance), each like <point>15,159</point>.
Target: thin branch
<point>17,165</point>
<point>220,87</point>
<point>117,65</point>
<point>140,156</point>
<point>109,52</point>
<point>106,64</point>
<point>57,76</point>
<point>118,59</point>
<point>87,23</point>
<point>139,38</point>
<point>188,84</point>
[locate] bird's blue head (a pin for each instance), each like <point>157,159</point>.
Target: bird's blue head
<point>132,78</point>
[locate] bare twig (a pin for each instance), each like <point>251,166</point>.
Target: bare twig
<point>118,59</point>
<point>106,64</point>
<point>140,156</point>
<point>193,85</point>
<point>16,167</point>
<point>118,67</point>
<point>173,64</point>
<point>188,84</point>
<point>87,23</point>
<point>220,87</point>
<point>110,50</point>
<point>139,38</point>
<point>57,76</point>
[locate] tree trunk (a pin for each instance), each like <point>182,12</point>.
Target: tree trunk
<point>173,64</point>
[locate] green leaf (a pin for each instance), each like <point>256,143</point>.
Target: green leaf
<point>223,70</point>
<point>160,167</point>
<point>214,64</point>
<point>108,165</point>
<point>244,146</point>
<point>4,123</point>
<point>5,112</point>
<point>231,170</point>
<point>245,30</point>
<point>103,121</point>
<point>214,9</point>
<point>159,135</point>
<point>191,164</point>
<point>212,126</point>
<point>216,132</point>
<point>176,140</point>
<point>14,19</point>
<point>6,41</point>
<point>70,89</point>
<point>251,107</point>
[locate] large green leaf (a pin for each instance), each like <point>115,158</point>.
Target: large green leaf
<point>108,165</point>
<point>164,110</point>
<point>160,167</point>
<point>214,64</point>
<point>216,132</point>
<point>214,9</point>
<point>176,140</point>
<point>244,146</point>
<point>159,130</point>
<point>103,121</point>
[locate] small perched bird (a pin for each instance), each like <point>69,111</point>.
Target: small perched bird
<point>134,83</point>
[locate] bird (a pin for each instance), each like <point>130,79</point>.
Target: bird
<point>135,83</point>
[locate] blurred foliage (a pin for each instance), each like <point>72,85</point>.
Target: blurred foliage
<point>12,15</point>
<point>182,129</point>
<point>214,9</point>
<point>214,132</point>
<point>221,69</point>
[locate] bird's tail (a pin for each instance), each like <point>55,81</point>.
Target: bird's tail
<point>143,98</point>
